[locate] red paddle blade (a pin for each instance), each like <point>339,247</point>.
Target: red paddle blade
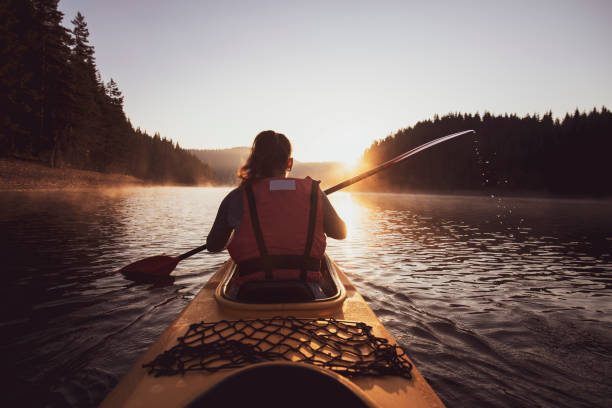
<point>160,265</point>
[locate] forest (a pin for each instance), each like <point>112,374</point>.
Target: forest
<point>509,154</point>
<point>57,110</point>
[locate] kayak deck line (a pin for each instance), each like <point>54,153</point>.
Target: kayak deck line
<point>138,389</point>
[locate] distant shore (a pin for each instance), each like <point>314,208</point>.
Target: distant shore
<point>20,175</point>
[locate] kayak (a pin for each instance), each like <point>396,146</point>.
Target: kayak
<point>167,374</point>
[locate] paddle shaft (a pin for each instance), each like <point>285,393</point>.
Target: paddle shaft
<point>192,252</point>
<point>397,160</point>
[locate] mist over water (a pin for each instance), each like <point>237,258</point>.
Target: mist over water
<point>498,301</point>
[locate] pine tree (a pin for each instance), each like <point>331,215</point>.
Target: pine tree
<point>18,91</point>
<point>86,140</point>
<point>113,92</point>
<point>119,132</point>
<point>54,80</point>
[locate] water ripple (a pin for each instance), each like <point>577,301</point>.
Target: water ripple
<point>500,302</point>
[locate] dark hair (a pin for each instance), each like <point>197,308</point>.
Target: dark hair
<point>269,156</point>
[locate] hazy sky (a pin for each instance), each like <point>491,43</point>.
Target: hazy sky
<point>336,75</point>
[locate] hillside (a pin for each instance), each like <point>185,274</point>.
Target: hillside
<point>226,162</point>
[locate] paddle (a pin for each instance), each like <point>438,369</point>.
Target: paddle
<point>159,265</point>
<point>163,265</point>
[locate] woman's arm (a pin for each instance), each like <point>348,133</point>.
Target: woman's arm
<point>227,220</point>
<point>333,225</point>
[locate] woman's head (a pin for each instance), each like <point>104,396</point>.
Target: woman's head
<point>270,157</point>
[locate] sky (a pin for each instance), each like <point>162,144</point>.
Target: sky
<point>336,75</point>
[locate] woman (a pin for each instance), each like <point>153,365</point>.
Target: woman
<point>274,227</point>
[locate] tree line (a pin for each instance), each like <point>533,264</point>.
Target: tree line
<point>530,154</point>
<point>56,108</point>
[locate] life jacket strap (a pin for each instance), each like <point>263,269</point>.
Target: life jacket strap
<point>275,262</point>
<point>312,219</point>
<point>261,245</point>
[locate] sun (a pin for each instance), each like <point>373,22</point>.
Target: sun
<point>349,159</point>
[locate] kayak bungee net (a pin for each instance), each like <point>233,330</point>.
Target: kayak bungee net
<point>275,345</point>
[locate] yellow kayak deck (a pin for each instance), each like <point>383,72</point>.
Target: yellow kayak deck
<point>139,389</point>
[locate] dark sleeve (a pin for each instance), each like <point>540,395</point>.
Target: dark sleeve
<point>227,220</point>
<point>333,225</point>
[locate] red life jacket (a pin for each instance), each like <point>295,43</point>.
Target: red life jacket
<point>281,232</point>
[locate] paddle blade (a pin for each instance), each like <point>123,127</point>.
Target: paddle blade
<point>160,265</point>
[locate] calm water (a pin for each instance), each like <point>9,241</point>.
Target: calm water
<point>499,302</point>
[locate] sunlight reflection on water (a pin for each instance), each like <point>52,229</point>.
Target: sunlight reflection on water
<point>498,301</point>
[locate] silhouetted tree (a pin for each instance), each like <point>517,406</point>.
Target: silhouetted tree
<point>53,80</point>
<point>19,94</point>
<point>113,92</point>
<point>85,138</point>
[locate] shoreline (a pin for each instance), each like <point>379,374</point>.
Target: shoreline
<point>21,175</point>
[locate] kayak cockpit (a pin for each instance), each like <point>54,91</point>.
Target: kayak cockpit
<point>283,384</point>
<point>278,294</point>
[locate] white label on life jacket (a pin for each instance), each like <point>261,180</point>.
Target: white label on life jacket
<point>276,185</point>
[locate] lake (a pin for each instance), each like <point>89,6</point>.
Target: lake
<point>500,302</point>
